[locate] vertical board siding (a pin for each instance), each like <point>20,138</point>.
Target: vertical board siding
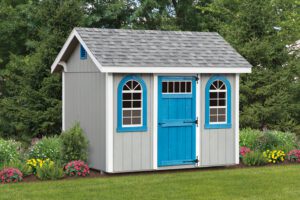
<point>85,103</point>
<point>75,64</point>
<point>217,146</point>
<point>133,150</point>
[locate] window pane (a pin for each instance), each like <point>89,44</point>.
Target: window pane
<point>170,87</point>
<point>188,87</point>
<point>213,95</point>
<point>222,95</point>
<point>136,120</point>
<point>136,113</point>
<point>215,83</point>
<point>221,111</point>
<point>213,111</point>
<point>126,104</point>
<point>213,102</point>
<point>137,96</point>
<point>177,87</point>
<point>182,87</point>
<point>222,86</point>
<point>127,96</point>
<point>221,118</point>
<point>126,121</point>
<point>134,84</point>
<point>138,87</point>
<point>213,118</point>
<point>164,87</point>
<point>126,113</point>
<point>136,104</point>
<point>221,102</point>
<point>125,87</point>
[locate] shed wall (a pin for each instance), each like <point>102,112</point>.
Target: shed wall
<point>217,146</point>
<point>84,101</point>
<point>133,150</point>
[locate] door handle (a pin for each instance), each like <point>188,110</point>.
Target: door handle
<point>161,123</point>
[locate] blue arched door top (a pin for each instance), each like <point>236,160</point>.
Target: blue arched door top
<point>133,127</point>
<point>208,124</point>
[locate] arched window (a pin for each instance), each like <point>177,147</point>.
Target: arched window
<point>218,103</point>
<point>132,104</point>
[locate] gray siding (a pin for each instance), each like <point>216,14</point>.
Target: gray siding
<point>74,64</point>
<point>217,146</point>
<point>133,150</point>
<point>85,103</point>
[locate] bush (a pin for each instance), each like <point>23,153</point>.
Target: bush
<point>248,137</point>
<point>50,171</point>
<point>274,156</point>
<point>254,158</point>
<point>48,147</point>
<point>294,155</point>
<point>258,140</point>
<point>23,167</point>
<point>74,144</point>
<point>9,150</point>
<point>77,168</point>
<point>244,151</point>
<point>10,175</point>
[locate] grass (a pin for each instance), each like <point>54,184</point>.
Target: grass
<point>276,182</point>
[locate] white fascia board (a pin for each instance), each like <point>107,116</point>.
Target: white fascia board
<point>237,118</point>
<point>176,70</point>
<point>109,121</point>
<point>73,34</point>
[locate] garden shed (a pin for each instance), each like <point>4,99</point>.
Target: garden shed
<point>152,100</point>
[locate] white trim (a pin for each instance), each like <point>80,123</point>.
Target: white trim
<point>176,70</point>
<point>64,65</point>
<point>63,96</point>
<point>198,114</point>
<point>154,117</point>
<point>237,102</point>
<point>73,34</point>
<point>109,121</point>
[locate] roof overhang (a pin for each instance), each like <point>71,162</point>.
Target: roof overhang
<point>60,63</point>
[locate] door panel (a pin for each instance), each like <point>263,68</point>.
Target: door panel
<point>176,121</point>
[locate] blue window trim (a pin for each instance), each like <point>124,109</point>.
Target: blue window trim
<point>83,53</point>
<point>143,128</point>
<point>207,112</point>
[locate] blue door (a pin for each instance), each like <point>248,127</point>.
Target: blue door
<point>176,121</point>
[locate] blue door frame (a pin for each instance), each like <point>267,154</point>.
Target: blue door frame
<point>176,124</point>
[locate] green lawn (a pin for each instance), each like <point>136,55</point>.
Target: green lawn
<point>276,182</point>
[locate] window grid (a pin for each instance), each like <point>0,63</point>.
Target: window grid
<point>132,108</point>
<point>218,103</point>
<point>177,87</point>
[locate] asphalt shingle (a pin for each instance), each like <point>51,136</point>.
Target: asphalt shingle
<point>148,48</point>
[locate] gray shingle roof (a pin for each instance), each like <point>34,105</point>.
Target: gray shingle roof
<point>147,48</point>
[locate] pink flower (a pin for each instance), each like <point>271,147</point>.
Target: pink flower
<point>294,155</point>
<point>244,151</point>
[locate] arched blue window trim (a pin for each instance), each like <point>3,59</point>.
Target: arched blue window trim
<point>142,128</point>
<point>207,111</point>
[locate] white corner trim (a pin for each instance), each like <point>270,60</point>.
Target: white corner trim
<point>64,65</point>
<point>73,34</point>
<point>176,70</point>
<point>154,113</point>
<point>198,107</point>
<point>237,118</point>
<point>109,121</point>
<point>63,96</point>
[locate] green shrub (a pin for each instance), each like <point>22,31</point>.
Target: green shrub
<point>9,150</point>
<point>258,140</point>
<point>254,158</point>
<point>23,167</point>
<point>74,144</point>
<point>248,137</point>
<point>48,147</point>
<point>50,171</point>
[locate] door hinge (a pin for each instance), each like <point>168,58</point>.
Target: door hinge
<point>197,121</point>
<point>197,78</point>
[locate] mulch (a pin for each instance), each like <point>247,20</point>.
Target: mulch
<point>98,174</point>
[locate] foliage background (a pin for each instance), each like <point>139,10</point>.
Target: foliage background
<point>32,33</point>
